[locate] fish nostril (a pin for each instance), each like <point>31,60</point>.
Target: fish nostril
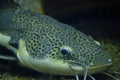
<point>109,60</point>
<point>91,63</point>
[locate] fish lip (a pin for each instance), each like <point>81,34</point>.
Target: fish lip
<point>91,69</point>
<point>100,66</point>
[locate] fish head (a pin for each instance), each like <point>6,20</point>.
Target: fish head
<point>61,49</point>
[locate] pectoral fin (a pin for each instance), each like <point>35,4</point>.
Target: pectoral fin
<point>8,58</point>
<point>4,41</point>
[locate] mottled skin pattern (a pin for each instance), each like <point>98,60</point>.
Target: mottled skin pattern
<point>45,38</point>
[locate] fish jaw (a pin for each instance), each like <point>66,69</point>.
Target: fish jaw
<point>57,67</point>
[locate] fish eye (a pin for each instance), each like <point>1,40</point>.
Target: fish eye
<point>65,51</point>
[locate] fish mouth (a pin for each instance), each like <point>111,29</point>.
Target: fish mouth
<point>78,68</point>
<point>87,70</point>
<point>91,70</point>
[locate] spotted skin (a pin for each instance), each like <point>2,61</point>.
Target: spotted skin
<point>44,38</point>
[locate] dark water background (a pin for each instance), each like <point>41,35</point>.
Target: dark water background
<point>94,17</point>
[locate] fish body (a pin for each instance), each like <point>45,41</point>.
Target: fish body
<point>49,46</point>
